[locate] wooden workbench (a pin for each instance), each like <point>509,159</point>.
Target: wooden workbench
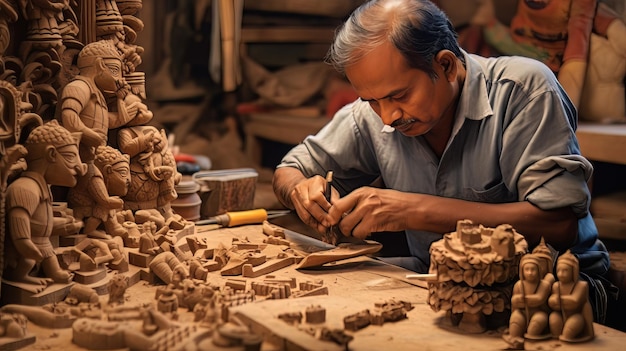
<point>353,285</point>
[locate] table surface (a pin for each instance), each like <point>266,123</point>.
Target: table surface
<point>353,285</point>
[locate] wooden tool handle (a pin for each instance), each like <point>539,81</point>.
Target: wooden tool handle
<point>246,217</point>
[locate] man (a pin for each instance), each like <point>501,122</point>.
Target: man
<point>450,136</point>
<point>52,159</point>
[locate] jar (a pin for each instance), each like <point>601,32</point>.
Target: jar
<point>188,202</point>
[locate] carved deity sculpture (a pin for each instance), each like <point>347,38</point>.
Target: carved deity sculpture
<point>153,169</point>
<point>529,304</point>
<point>83,105</point>
<point>52,159</point>
<point>91,198</point>
<point>572,316</point>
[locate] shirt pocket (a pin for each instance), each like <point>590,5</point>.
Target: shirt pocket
<point>498,193</point>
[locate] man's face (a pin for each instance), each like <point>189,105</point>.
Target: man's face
<point>117,178</point>
<point>66,167</point>
<point>404,97</point>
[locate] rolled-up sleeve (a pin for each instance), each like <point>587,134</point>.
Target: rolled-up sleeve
<point>558,181</point>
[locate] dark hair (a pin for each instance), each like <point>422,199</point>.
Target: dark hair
<point>417,28</point>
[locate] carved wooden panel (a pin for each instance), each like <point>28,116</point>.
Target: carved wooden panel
<point>39,45</point>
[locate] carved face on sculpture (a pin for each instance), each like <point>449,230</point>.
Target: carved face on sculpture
<point>66,167</point>
<point>109,77</point>
<point>115,169</point>
<point>564,272</point>
<point>102,60</point>
<point>53,150</point>
<point>531,271</point>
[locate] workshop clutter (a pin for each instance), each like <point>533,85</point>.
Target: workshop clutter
<point>226,190</point>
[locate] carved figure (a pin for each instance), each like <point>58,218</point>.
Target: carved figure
<point>572,318</point>
<point>91,198</point>
<point>529,304</point>
<point>476,268</point>
<point>153,242</point>
<point>153,169</point>
<point>13,325</point>
<point>83,105</point>
<point>52,159</point>
<point>117,287</point>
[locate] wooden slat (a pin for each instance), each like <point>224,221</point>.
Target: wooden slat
<point>603,142</point>
<point>287,34</point>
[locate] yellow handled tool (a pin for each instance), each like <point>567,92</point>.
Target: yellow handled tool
<point>235,218</point>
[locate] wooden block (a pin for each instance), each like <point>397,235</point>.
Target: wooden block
<point>22,294</point>
<point>71,240</point>
<point>139,259</point>
<point>90,277</point>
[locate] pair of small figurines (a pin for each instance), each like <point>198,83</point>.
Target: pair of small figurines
<point>543,308</point>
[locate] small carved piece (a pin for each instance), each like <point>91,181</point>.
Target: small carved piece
<point>315,314</point>
<point>248,271</point>
<point>341,252</point>
<point>571,318</point>
<point>529,304</point>
<point>117,288</point>
<point>357,321</point>
<point>292,318</point>
<point>168,267</point>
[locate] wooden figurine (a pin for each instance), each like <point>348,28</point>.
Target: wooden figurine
<point>96,197</point>
<point>529,304</point>
<point>83,105</point>
<point>52,159</point>
<point>572,317</point>
<point>475,268</point>
<point>153,169</point>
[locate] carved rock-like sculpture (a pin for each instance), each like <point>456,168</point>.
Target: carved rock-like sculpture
<point>153,169</point>
<point>571,319</point>
<point>475,268</point>
<point>529,304</point>
<point>52,159</point>
<point>91,198</point>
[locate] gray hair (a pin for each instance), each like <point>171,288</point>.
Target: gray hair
<point>417,28</point>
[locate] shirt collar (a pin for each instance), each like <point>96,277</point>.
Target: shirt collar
<point>474,100</point>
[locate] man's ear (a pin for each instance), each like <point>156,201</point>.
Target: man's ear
<point>448,62</point>
<point>108,169</point>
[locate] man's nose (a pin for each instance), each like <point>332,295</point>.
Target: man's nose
<point>389,112</point>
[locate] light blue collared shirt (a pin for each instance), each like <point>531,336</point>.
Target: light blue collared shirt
<point>513,139</point>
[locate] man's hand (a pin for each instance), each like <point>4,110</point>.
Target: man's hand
<point>310,203</point>
<point>367,210</point>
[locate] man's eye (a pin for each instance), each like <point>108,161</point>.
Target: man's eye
<point>400,97</point>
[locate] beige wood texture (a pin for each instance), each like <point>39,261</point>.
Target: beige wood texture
<point>280,128</point>
<point>353,285</point>
<point>603,142</point>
